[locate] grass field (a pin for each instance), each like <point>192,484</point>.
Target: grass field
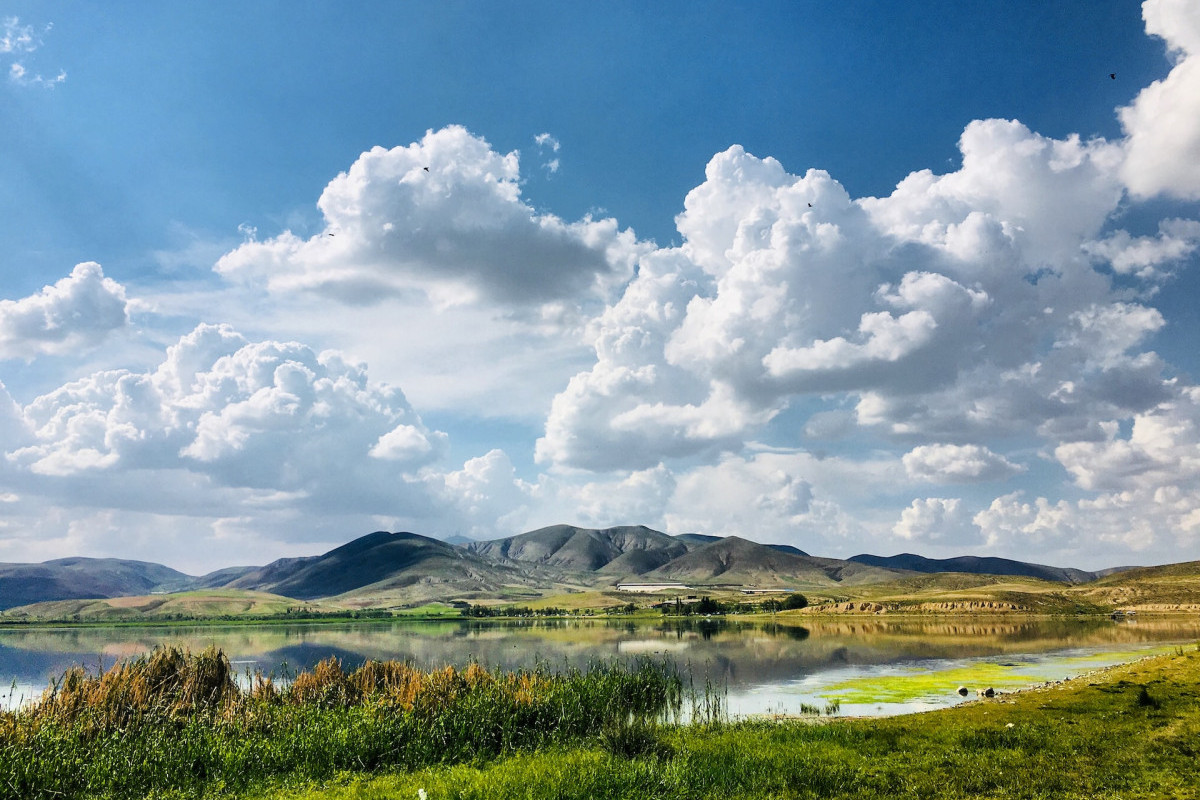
<point>170,725</point>
<point>1133,732</point>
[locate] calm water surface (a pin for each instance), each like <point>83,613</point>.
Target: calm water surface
<point>868,666</point>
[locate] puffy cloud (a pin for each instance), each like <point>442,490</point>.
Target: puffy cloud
<point>887,345</point>
<point>1161,452</point>
<point>1162,125</point>
<point>1144,491</point>
<point>785,497</point>
<point>488,498</point>
<point>936,519</point>
<point>641,496</point>
<point>1144,256</point>
<point>1017,193</point>
<point>758,498</point>
<point>973,306</point>
<point>75,313</point>
<point>957,464</point>
<point>402,443</point>
<point>1102,335</point>
<point>443,217</point>
<point>631,409</point>
<point>960,306</point>
<point>1016,525</point>
<point>274,417</point>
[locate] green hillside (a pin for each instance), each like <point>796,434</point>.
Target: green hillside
<point>146,608</point>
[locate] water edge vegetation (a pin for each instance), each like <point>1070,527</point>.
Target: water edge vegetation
<point>179,723</point>
<point>173,724</point>
<point>1130,732</point>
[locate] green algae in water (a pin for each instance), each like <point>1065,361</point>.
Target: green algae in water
<point>922,682</point>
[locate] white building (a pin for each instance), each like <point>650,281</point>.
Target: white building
<point>647,588</point>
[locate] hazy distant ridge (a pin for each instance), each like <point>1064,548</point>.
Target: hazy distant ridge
<point>980,565</point>
<point>733,560</point>
<point>84,578</point>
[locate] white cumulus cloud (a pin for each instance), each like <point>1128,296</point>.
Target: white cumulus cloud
<point>442,217</point>
<point>273,417</point>
<point>936,519</point>
<point>1161,451</point>
<point>953,308</point>
<point>1146,256</point>
<point>952,463</point>
<point>1017,525</point>
<point>75,313</point>
<point>487,498</point>
<point>1162,125</point>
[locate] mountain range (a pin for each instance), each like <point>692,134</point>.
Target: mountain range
<point>79,578</point>
<point>409,568</point>
<point>977,565</point>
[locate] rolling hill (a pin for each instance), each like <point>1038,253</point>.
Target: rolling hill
<point>84,578</point>
<point>220,577</point>
<point>734,560</point>
<point>976,565</point>
<point>379,560</point>
<point>383,569</point>
<point>694,540</point>
<point>148,608</point>
<point>627,549</point>
<point>1172,587</point>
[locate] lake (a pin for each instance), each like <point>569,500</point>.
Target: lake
<point>866,666</point>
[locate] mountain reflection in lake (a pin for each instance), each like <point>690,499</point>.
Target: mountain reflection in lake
<point>867,665</point>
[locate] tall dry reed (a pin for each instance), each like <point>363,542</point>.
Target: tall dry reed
<point>173,721</point>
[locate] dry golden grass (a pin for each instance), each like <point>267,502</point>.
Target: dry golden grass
<point>169,681</point>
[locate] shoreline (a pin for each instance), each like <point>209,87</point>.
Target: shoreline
<point>796,617</point>
<point>1094,677</point>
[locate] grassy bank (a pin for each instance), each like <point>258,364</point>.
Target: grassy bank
<point>175,723</point>
<point>176,726</point>
<point>1131,732</point>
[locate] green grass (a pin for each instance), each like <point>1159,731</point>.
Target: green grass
<point>174,726</point>
<point>177,724</point>
<point>431,611</point>
<point>1132,733</point>
<point>915,683</point>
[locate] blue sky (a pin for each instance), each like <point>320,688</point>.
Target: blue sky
<point>643,280</point>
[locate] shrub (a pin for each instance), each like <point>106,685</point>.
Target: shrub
<point>794,601</point>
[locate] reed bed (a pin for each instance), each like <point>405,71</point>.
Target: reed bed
<point>1129,733</point>
<point>176,723</point>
